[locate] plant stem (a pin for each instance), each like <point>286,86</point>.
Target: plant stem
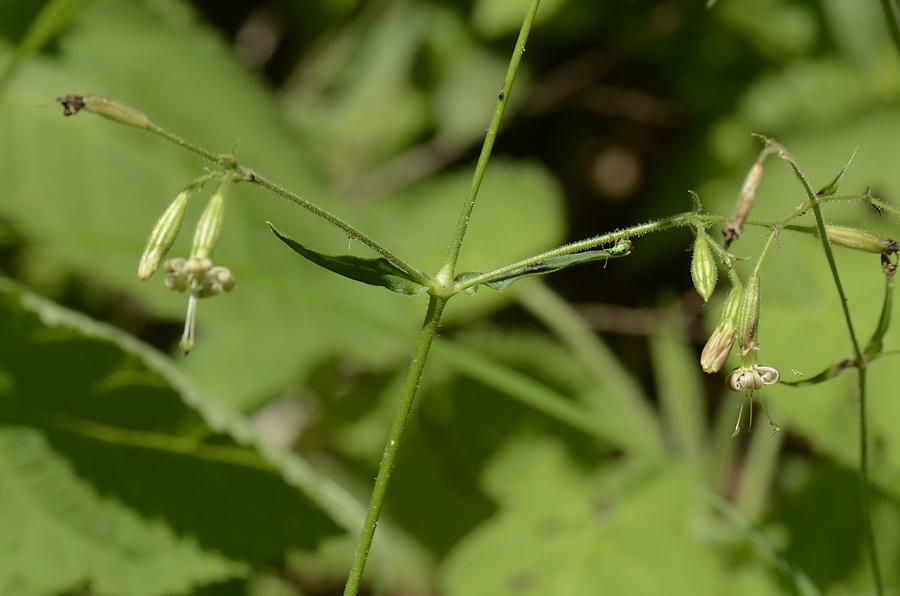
<point>247,175</point>
<point>865,498</point>
<point>351,231</point>
<point>681,219</point>
<point>865,506</point>
<point>429,330</point>
<point>449,267</point>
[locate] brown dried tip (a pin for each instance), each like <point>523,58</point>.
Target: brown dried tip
<point>888,268</point>
<point>107,107</point>
<point>71,104</point>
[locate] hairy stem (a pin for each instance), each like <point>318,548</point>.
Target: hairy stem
<point>429,330</point>
<point>449,267</point>
<point>861,367</point>
<point>245,174</point>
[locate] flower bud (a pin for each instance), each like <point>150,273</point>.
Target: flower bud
<point>733,229</point>
<point>104,106</point>
<point>855,239</point>
<point>703,267</point>
<point>206,234</point>
<point>163,235</point>
<point>718,348</point>
<point>748,317</point>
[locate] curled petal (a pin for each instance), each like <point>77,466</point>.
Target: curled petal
<point>223,276</point>
<point>177,274</point>
<point>744,379</point>
<point>768,374</point>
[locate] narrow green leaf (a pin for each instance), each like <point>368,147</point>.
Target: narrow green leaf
<point>875,344</point>
<point>501,281</point>
<point>832,187</point>
<point>827,374</point>
<point>375,272</point>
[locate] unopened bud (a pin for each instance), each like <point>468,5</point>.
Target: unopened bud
<point>733,229</point>
<point>855,239</point>
<point>703,267</point>
<point>718,348</point>
<point>206,234</point>
<point>163,235</point>
<point>104,106</point>
<point>748,318</point>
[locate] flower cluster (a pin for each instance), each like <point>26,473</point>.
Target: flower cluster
<point>740,321</point>
<point>196,274</point>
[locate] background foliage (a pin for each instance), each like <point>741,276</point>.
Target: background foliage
<point>564,441</point>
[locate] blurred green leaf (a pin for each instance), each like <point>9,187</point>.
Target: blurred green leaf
<point>54,519</point>
<point>144,446</point>
<point>110,183</point>
<point>621,529</point>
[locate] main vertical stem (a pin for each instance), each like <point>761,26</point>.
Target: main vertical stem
<point>449,268</point>
<point>429,330</point>
<point>865,498</point>
<point>865,506</point>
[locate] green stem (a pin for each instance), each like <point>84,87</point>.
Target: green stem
<point>865,499</point>
<point>429,330</point>
<point>449,268</point>
<point>221,160</point>
<point>248,175</point>
<point>861,366</point>
<point>681,219</point>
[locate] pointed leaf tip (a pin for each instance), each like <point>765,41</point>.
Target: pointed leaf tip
<point>375,272</point>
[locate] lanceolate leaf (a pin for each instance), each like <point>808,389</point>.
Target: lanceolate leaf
<point>501,281</point>
<point>114,470</point>
<point>375,272</point>
<point>875,344</point>
<point>832,187</point>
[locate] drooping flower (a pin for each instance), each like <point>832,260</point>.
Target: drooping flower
<point>750,376</point>
<point>203,280</point>
<point>720,343</point>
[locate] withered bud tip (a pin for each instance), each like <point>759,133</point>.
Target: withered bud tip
<point>71,104</point>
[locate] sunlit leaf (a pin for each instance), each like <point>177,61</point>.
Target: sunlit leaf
<point>375,272</point>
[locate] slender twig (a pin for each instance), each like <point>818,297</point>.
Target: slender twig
<point>449,268</point>
<point>441,292</point>
<point>247,175</point>
<point>681,219</point>
<point>417,365</point>
<point>861,384</point>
